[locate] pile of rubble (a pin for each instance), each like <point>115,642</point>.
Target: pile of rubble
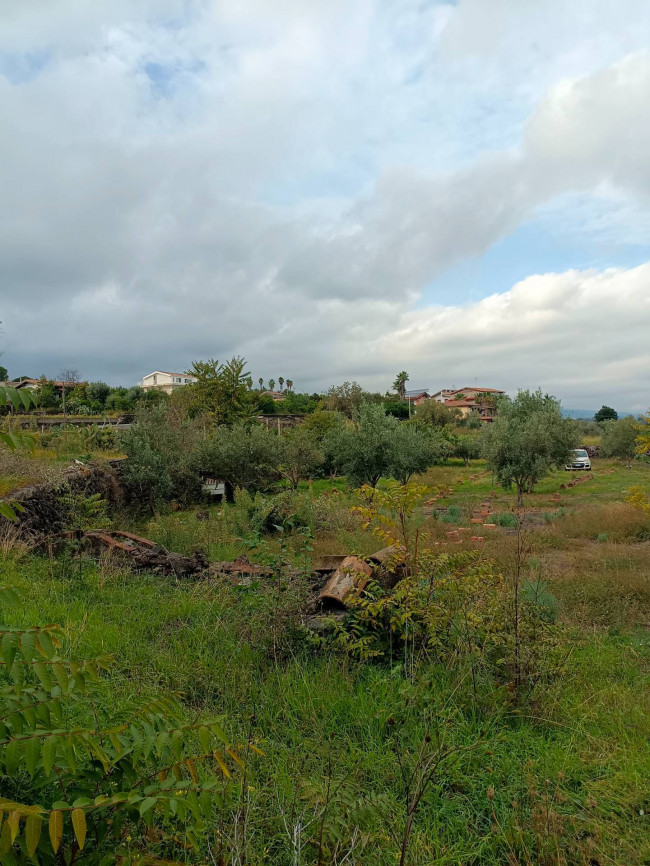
<point>337,578</point>
<point>42,509</point>
<point>140,554</point>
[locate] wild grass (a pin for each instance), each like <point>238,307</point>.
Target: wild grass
<point>561,780</point>
<point>543,784</point>
<point>618,521</point>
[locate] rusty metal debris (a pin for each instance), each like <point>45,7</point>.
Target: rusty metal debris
<point>345,576</point>
<point>239,567</point>
<point>141,553</point>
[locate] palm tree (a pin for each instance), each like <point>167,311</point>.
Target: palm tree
<point>400,384</point>
<point>289,384</point>
<point>271,384</point>
<point>261,381</point>
<point>281,381</point>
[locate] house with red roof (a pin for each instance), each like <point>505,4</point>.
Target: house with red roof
<point>467,400</point>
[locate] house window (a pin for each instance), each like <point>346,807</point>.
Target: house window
<point>155,380</point>
<point>177,380</point>
<point>187,381</point>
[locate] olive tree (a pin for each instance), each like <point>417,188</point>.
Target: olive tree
<point>362,451</point>
<point>301,455</point>
<point>467,448</point>
<point>619,439</point>
<point>377,445</point>
<point>528,439</point>
<point>346,398</point>
<point>414,449</point>
<point>243,456</point>
<point>434,414</point>
<point>158,448</point>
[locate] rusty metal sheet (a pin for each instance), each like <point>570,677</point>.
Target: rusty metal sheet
<point>144,542</point>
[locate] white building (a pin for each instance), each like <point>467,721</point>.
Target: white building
<point>160,380</point>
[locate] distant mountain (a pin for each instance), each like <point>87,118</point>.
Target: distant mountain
<point>588,414</point>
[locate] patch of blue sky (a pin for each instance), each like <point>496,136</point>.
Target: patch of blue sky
<point>552,242</point>
<point>315,188</point>
<point>167,78</point>
<point>21,68</point>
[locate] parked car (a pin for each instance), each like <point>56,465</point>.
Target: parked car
<point>580,460</point>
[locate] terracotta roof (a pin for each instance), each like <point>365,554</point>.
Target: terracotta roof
<point>469,402</point>
<point>57,382</point>
<point>478,390</point>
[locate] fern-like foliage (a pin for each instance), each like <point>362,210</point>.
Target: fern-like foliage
<point>77,781</point>
<point>13,439</point>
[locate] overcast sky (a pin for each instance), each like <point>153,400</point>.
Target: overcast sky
<point>335,189</point>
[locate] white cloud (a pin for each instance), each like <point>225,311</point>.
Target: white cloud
<point>579,334</point>
<point>285,180</point>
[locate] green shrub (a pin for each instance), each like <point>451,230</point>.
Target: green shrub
<point>454,515</point>
<point>541,602</point>
<point>78,776</point>
<point>158,466</point>
<point>377,445</point>
<point>506,520</point>
<point>243,456</point>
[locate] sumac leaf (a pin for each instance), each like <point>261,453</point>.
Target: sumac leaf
<point>79,826</point>
<point>56,829</point>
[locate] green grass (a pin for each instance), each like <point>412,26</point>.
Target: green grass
<point>587,735</point>
<point>567,773</point>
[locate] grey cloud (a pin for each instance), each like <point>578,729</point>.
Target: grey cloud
<point>138,229</point>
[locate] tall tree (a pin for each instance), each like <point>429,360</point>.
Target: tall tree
<point>289,385</point>
<point>221,391</point>
<point>400,384</point>
<point>345,398</point>
<point>377,445</point>
<point>527,440</point>
<point>281,381</point>
<point>271,384</point>
<point>606,413</point>
<point>301,455</point>
<point>70,377</point>
<point>261,383</point>
<point>619,439</point>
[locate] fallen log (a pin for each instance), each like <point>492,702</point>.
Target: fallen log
<point>350,578</point>
<point>388,557</point>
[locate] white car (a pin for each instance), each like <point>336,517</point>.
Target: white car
<point>580,460</point>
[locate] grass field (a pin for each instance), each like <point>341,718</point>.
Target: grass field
<point>561,779</point>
